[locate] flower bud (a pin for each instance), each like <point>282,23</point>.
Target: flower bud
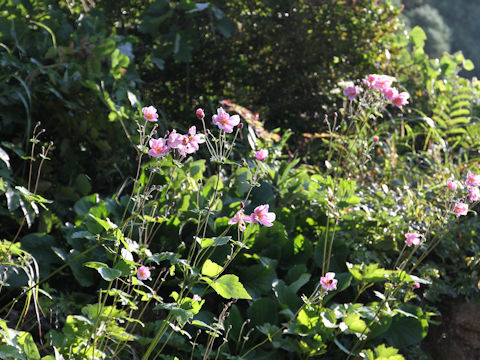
<point>200,114</point>
<point>376,139</point>
<point>240,126</point>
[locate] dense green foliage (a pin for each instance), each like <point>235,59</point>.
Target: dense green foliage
<point>82,205</point>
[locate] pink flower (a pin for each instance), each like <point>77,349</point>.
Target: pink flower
<point>238,218</point>
<point>200,114</point>
<point>416,286</point>
<point>376,139</point>
<point>413,239</point>
<point>351,92</point>
<point>158,147</point>
<point>383,82</point>
<point>262,216</point>
<point>378,82</point>
<point>191,140</point>
<point>150,113</point>
<point>473,194</point>
<point>401,99</point>
<point>143,273</point>
<point>472,179</point>
<point>328,281</point>
<point>196,298</point>
<point>370,80</point>
<point>452,185</point>
<point>460,209</point>
<point>224,121</point>
<point>390,93</point>
<point>174,139</point>
<point>261,155</point>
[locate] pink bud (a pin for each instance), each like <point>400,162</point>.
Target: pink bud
<point>376,139</point>
<point>416,285</point>
<point>200,113</point>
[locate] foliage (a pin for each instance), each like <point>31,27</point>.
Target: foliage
<point>171,262</point>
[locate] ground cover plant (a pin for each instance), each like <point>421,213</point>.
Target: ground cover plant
<point>210,237</point>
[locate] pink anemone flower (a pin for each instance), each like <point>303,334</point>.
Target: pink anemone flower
<point>224,121</point>
<point>351,92</point>
<point>413,239</point>
<point>473,194</point>
<point>150,113</point>
<point>262,216</point>
<point>328,281</point>
<point>158,147</point>
<point>460,209</point>
<point>143,273</point>
<point>401,99</point>
<point>452,185</point>
<point>472,179</point>
<point>238,218</point>
<point>261,155</point>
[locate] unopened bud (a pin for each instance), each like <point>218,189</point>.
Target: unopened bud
<point>227,314</point>
<point>242,205</point>
<point>200,181</point>
<point>335,114</point>
<point>240,126</point>
<point>200,113</point>
<point>376,139</point>
<point>172,204</point>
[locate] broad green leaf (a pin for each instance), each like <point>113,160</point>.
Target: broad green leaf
<point>355,324</point>
<point>29,346</point>
<point>407,330</point>
<point>109,274</point>
<point>211,269</point>
<point>10,352</point>
<point>229,287</point>
<point>418,36</point>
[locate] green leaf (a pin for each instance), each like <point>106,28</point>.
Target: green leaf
<point>264,310</point>
<point>407,330</point>
<point>4,157</point>
<point>95,265</point>
<point>418,37</point>
<point>109,274</point>
<point>355,324</point>
<point>211,269</point>
<point>468,65</point>
<point>29,346</point>
<point>10,352</point>
<point>229,287</point>
<point>215,241</point>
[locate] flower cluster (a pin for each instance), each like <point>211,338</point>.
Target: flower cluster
<point>184,144</point>
<point>472,185</point>
<point>382,83</point>
<point>260,215</point>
